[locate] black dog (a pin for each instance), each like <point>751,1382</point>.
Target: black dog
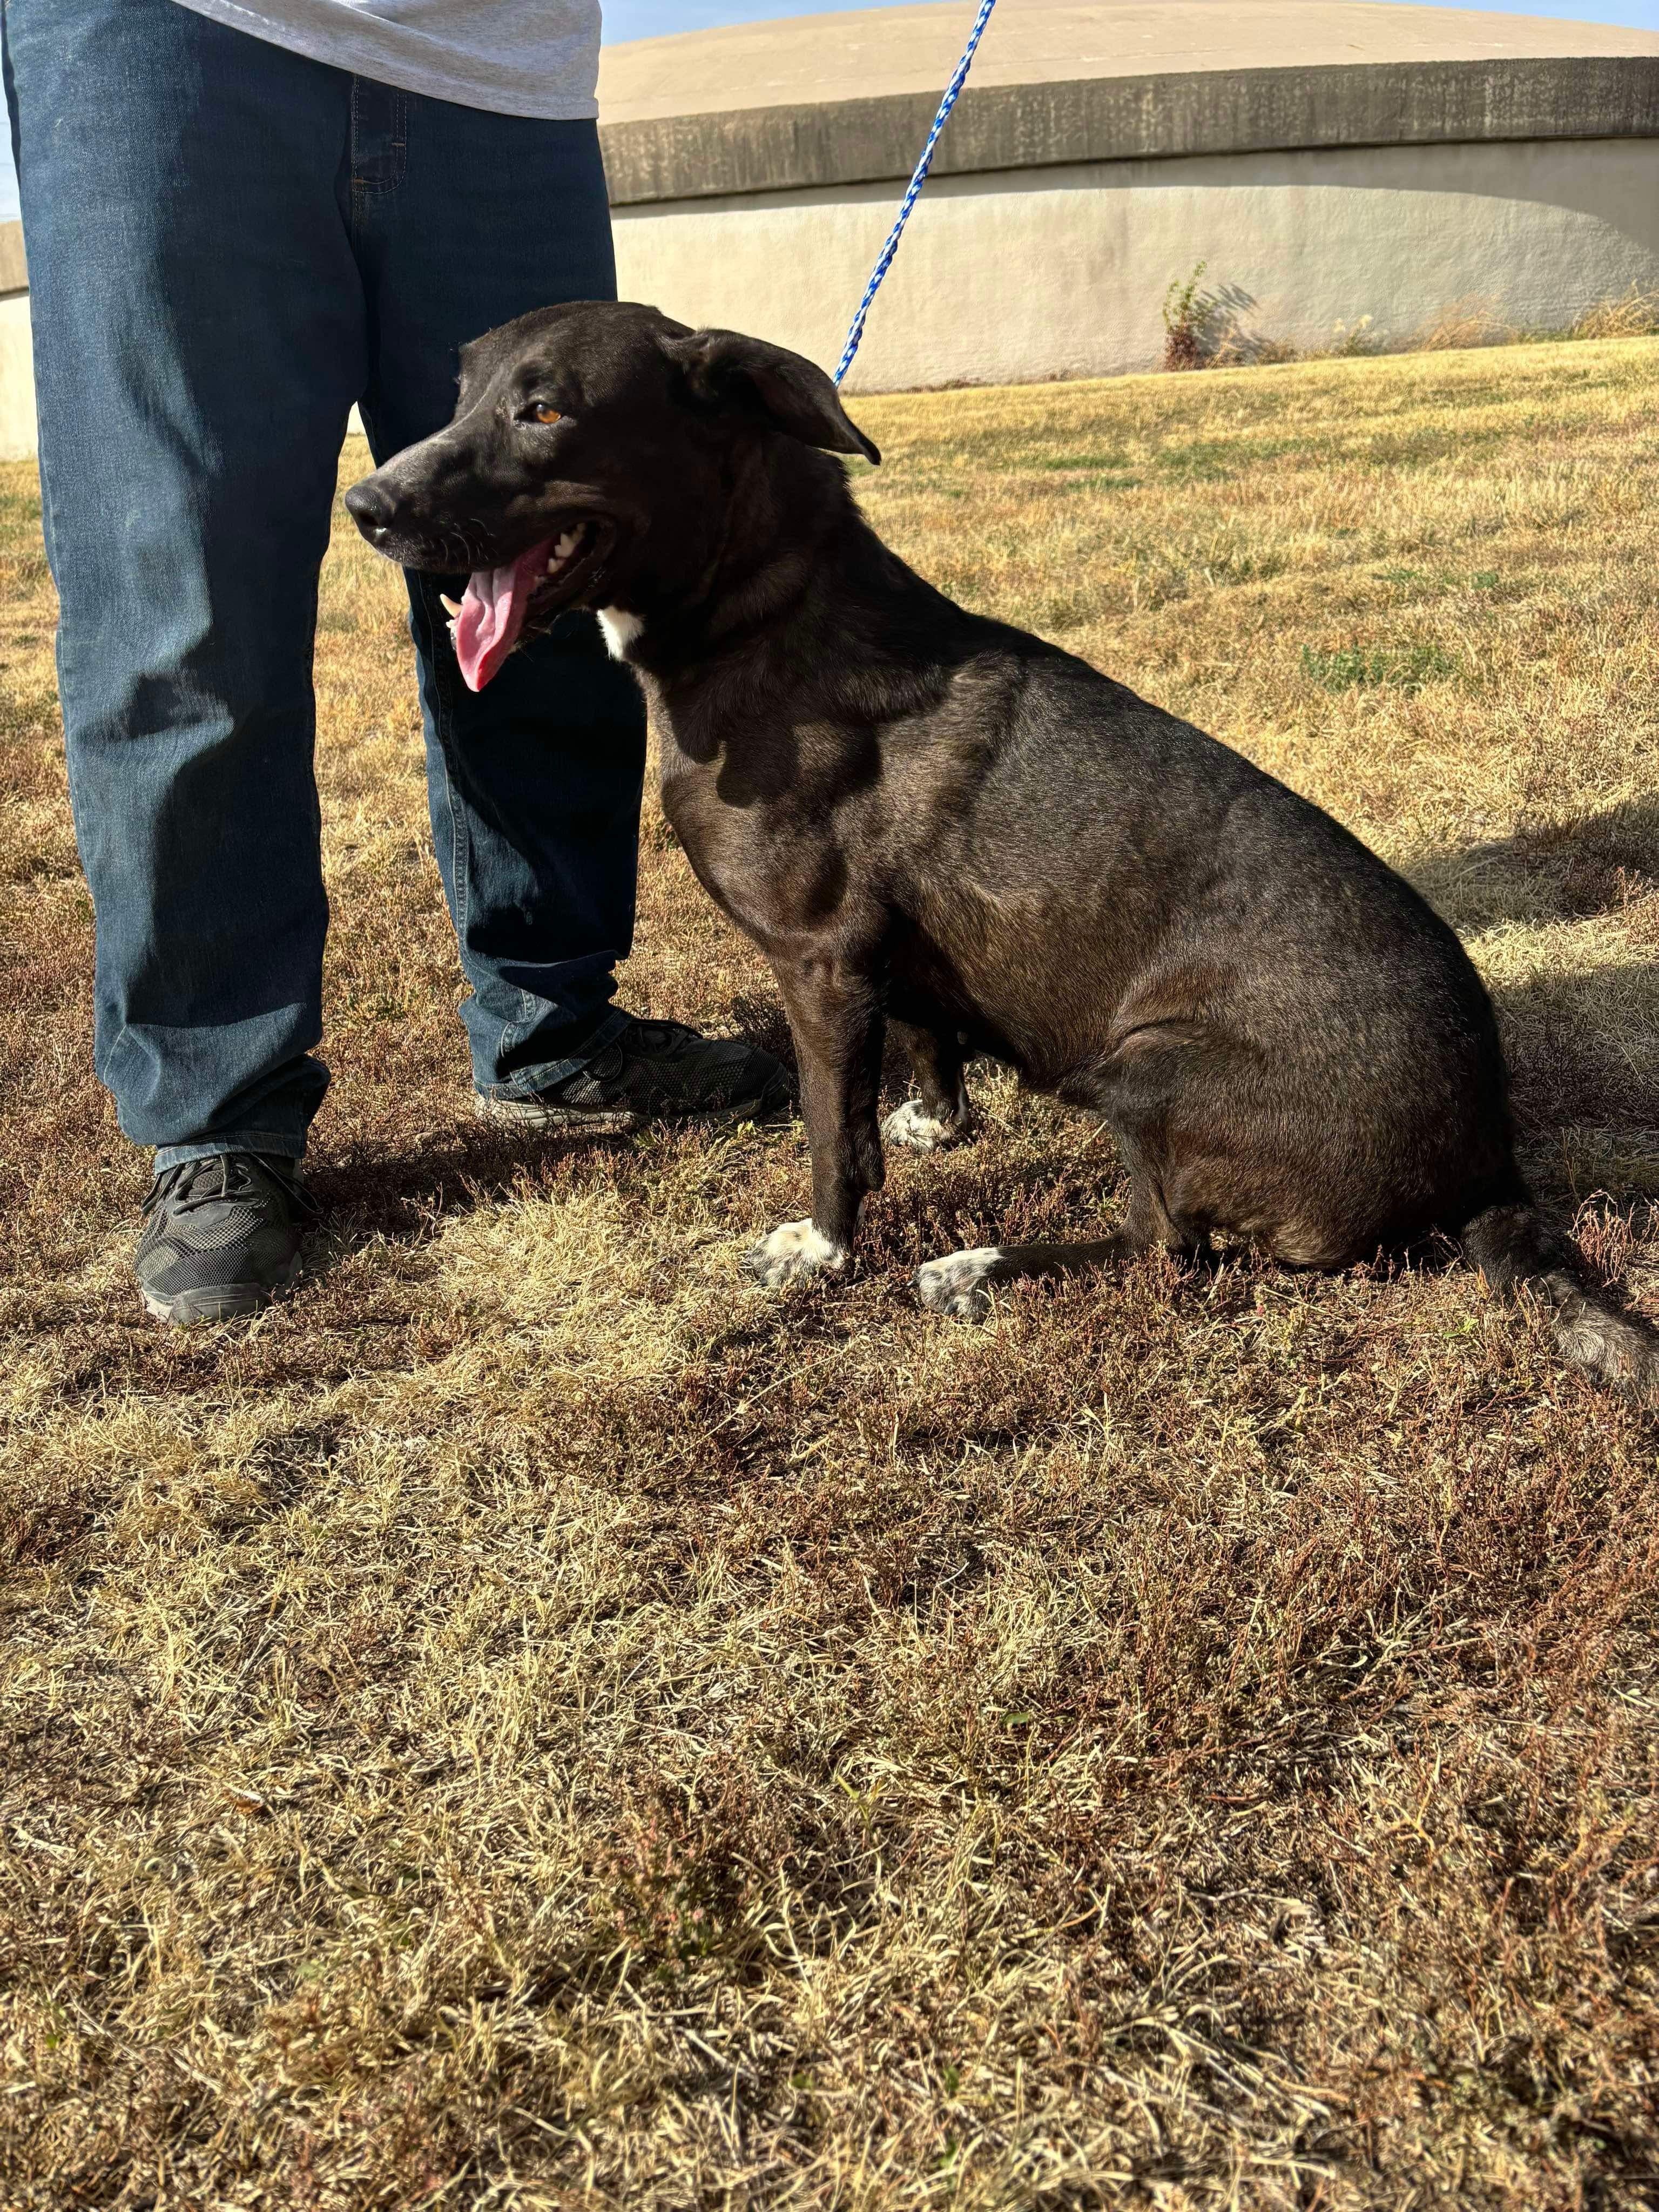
<point>934,820</point>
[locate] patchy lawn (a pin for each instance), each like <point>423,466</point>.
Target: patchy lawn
<point>536,1721</point>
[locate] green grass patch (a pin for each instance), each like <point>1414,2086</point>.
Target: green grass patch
<point>1399,668</point>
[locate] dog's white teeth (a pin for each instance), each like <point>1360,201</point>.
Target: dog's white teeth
<point>565,546</point>
<point>449,605</point>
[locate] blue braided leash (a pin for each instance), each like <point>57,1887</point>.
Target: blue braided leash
<point>856,332</point>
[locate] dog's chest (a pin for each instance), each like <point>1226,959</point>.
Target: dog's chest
<point>774,873</point>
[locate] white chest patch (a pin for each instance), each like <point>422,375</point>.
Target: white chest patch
<point>620,630</point>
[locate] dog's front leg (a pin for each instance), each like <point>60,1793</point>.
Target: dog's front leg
<point>835,1012</point>
<point>940,1114</point>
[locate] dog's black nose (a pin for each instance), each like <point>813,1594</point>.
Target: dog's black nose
<point>371,508</point>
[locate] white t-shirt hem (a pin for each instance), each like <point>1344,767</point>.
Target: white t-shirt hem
<point>350,38</point>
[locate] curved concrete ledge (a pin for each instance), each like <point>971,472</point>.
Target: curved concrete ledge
<point>802,146</point>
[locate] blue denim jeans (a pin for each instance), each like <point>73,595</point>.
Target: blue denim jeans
<point>229,245</point>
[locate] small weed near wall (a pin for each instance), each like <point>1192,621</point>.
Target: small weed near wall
<point>1189,318</point>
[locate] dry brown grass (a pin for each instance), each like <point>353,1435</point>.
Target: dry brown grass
<point>1633,314</point>
<point>1475,321</point>
<point>535,1722</point>
<point>1206,331</point>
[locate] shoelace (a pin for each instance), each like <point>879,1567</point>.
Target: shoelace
<point>194,1183</point>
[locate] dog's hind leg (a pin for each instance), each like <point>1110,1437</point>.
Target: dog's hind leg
<point>961,1284</point>
<point>940,1114</point>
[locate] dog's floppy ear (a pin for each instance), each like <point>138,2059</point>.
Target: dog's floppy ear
<point>769,384</point>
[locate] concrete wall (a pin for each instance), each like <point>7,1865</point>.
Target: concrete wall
<point>16,380</point>
<point>16,362</point>
<point>1062,270</point>
<point>1059,211</point>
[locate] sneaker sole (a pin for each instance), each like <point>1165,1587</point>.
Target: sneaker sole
<point>224,1301</point>
<point>538,1113</point>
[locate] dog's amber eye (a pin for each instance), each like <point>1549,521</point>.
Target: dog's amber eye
<point>543,413</point>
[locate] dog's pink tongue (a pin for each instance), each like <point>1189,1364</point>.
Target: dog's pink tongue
<point>492,613</point>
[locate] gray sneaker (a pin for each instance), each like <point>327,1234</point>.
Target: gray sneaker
<point>221,1236</point>
<point>652,1071</point>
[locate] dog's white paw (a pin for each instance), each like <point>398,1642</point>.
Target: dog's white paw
<point>792,1251</point>
<point>912,1124</point>
<point>957,1284</point>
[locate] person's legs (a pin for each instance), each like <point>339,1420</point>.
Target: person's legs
<point>462,221</point>
<point>200,338</point>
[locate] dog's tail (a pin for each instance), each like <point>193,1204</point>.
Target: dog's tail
<point>1517,1250</point>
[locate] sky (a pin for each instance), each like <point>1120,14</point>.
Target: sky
<point>652,19</point>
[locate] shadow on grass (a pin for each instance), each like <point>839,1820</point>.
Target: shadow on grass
<point>1566,871</point>
<point>1579,1047</point>
<point>366,1191</point>
<point>1582,1044</point>
<point>1582,1049</point>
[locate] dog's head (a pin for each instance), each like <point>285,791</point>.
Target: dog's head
<point>590,447</point>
